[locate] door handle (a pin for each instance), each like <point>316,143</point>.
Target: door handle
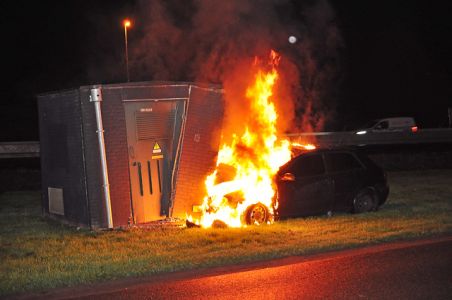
<point>287,177</point>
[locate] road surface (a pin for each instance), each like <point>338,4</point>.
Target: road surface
<point>404,270</point>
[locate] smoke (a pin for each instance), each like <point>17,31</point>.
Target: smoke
<point>214,41</point>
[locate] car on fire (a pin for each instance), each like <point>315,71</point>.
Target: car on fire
<point>324,181</point>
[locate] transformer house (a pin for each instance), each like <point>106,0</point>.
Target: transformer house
<point>120,154</point>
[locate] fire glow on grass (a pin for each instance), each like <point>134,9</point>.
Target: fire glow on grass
<point>250,160</point>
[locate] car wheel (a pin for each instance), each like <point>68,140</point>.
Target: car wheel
<point>364,201</point>
<point>257,214</point>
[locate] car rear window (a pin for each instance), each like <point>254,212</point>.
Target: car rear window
<point>309,165</point>
<point>338,162</point>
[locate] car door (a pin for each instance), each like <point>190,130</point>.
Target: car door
<point>304,188</point>
<point>348,175</point>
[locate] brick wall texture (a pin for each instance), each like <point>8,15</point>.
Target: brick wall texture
<point>115,135</point>
<point>62,156</point>
<point>199,148</point>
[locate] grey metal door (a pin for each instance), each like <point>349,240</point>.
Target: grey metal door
<point>150,127</point>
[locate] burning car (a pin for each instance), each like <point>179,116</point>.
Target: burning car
<point>319,182</point>
<point>256,178</point>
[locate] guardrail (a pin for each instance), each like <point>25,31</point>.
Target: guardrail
<point>350,138</point>
<point>19,149</point>
<point>322,139</point>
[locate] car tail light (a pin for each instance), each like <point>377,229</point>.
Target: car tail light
<point>414,129</point>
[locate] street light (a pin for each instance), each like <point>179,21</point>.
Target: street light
<point>126,24</point>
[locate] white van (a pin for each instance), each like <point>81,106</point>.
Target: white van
<point>389,125</point>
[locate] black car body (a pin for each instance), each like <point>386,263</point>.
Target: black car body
<point>322,181</point>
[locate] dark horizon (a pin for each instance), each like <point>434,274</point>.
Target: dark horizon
<point>395,59</point>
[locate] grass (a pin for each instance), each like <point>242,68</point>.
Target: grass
<point>38,254</point>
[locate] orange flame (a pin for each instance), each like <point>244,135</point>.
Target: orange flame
<point>246,166</point>
<point>303,146</point>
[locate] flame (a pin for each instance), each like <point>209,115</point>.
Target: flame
<point>250,160</point>
<point>306,146</point>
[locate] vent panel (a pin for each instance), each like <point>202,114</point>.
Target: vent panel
<point>154,125</point>
<point>56,203</point>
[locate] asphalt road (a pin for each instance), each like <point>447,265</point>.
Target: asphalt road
<point>407,270</point>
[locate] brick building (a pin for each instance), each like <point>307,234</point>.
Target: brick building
<point>113,155</point>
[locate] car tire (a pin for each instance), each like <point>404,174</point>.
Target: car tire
<point>364,201</point>
<point>257,214</point>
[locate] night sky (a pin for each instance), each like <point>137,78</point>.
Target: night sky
<point>395,57</point>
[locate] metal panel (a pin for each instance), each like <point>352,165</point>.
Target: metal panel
<point>151,128</point>
<point>56,201</point>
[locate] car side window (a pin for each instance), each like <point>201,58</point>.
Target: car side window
<point>309,165</point>
<point>338,162</point>
<point>382,125</point>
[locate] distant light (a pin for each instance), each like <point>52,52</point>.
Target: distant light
<point>414,129</point>
<point>362,132</point>
<point>127,23</point>
<point>292,39</point>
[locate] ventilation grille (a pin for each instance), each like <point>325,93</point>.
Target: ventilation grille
<point>154,125</point>
<point>56,203</point>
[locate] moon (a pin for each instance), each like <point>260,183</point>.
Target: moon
<point>292,39</point>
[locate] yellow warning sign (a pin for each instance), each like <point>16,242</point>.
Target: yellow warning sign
<point>157,148</point>
<point>157,151</point>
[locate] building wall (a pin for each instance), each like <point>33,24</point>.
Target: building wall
<point>199,148</point>
<point>115,135</point>
<point>62,156</point>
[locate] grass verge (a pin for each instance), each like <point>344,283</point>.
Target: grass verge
<point>38,254</point>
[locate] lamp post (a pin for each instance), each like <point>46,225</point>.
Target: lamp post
<point>126,24</point>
